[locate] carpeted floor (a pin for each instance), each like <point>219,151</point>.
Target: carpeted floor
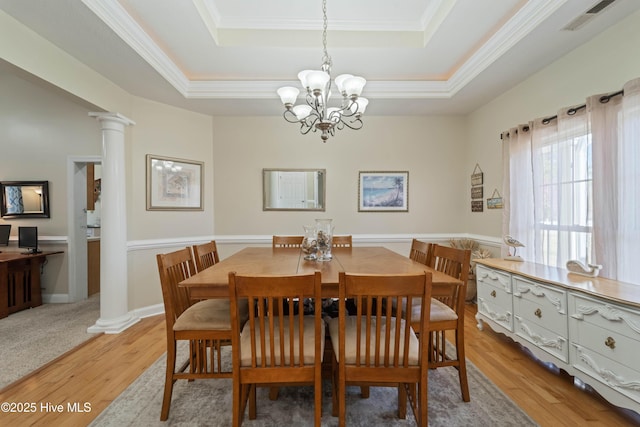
<point>208,403</point>
<point>31,338</point>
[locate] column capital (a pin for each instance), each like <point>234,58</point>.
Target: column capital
<point>112,117</point>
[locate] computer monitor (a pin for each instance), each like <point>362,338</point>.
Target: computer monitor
<point>28,239</point>
<point>5,230</point>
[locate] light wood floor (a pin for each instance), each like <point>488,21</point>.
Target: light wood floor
<point>97,372</point>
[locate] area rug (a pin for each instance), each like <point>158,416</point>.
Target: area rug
<point>208,403</point>
<point>31,338</point>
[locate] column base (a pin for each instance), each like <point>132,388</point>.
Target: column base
<point>113,326</point>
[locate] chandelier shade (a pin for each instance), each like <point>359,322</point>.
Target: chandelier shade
<point>316,114</point>
<point>340,81</point>
<point>302,111</point>
<point>360,106</point>
<point>288,95</point>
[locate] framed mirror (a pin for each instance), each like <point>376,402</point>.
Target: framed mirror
<point>293,189</point>
<point>24,199</point>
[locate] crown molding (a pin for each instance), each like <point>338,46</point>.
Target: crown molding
<point>209,13</point>
<point>117,18</point>
<point>522,23</point>
<point>267,89</point>
<point>526,19</point>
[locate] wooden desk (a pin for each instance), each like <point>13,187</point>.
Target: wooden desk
<point>213,281</point>
<point>20,281</point>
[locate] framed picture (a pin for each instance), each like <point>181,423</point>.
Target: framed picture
<point>383,192</point>
<point>476,192</point>
<point>494,203</point>
<point>476,206</point>
<point>174,184</point>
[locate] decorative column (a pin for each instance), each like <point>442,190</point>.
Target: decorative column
<point>114,309</point>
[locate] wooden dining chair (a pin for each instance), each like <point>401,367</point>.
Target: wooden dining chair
<point>376,348</point>
<point>278,345</point>
<point>420,251</point>
<point>447,312</point>
<point>342,241</point>
<point>205,255</point>
<point>205,324</point>
<point>287,241</point>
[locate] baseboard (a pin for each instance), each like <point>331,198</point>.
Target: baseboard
<point>148,311</point>
<point>55,298</point>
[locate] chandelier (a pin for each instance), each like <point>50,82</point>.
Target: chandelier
<point>316,114</point>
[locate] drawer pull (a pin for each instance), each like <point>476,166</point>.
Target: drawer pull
<point>493,294</point>
<point>538,313</point>
<point>610,342</point>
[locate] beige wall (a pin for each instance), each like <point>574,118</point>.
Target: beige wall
<point>429,148</point>
<point>39,129</point>
<point>602,65</point>
<point>172,132</point>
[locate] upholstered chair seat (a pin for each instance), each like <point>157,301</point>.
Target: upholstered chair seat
<point>351,332</point>
<point>308,340</point>
<point>208,314</point>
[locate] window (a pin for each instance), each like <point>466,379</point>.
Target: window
<point>565,222</point>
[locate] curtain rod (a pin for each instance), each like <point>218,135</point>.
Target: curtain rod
<point>571,111</point>
<point>603,99</point>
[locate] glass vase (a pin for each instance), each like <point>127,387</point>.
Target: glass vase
<point>324,230</point>
<point>310,242</point>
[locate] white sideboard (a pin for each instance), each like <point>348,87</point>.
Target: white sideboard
<point>589,327</point>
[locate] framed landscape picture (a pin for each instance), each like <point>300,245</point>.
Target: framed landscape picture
<point>494,203</point>
<point>383,191</point>
<point>174,184</point>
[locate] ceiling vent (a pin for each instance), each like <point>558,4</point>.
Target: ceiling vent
<point>588,15</point>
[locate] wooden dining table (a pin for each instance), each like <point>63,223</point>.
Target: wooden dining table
<point>213,282</point>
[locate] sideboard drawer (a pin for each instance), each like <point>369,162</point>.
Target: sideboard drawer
<point>610,344</point>
<point>605,344</point>
<point>544,339</point>
<point>492,277</point>
<point>541,304</point>
<point>540,316</point>
<point>494,296</point>
<point>606,328</point>
<point>614,377</point>
<point>608,315</point>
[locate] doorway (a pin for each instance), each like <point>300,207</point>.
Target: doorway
<point>77,225</point>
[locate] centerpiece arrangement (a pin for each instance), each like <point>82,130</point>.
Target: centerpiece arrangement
<point>317,241</point>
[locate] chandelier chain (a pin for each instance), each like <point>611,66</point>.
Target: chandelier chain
<point>326,59</point>
<point>316,114</point>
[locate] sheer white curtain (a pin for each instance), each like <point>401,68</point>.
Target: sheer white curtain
<point>615,129</point>
<point>579,197</point>
<point>518,216</point>
<point>604,133</point>
<point>548,188</point>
